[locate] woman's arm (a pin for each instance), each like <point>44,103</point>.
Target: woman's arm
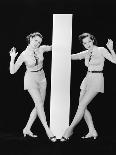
<point>46,48</point>
<point>15,66</point>
<point>110,47</point>
<point>111,57</point>
<point>79,56</point>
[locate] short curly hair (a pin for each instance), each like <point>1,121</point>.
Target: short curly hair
<point>84,35</point>
<point>32,35</point>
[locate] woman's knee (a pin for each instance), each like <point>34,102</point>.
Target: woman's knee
<point>87,98</point>
<point>34,112</point>
<point>43,85</point>
<point>36,96</point>
<point>85,113</point>
<point>82,93</point>
<point>43,94</point>
<point>81,109</point>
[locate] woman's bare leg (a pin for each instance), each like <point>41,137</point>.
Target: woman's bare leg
<point>33,114</point>
<point>88,118</point>
<point>27,129</point>
<point>35,94</point>
<point>80,111</point>
<point>82,93</point>
<point>89,121</point>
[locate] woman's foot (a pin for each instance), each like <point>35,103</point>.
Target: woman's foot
<point>63,139</point>
<point>28,132</point>
<point>51,136</point>
<point>91,134</point>
<point>53,139</point>
<point>68,133</point>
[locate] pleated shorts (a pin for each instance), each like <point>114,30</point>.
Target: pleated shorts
<point>94,82</point>
<point>34,79</point>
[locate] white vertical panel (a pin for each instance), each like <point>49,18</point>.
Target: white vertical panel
<point>60,75</point>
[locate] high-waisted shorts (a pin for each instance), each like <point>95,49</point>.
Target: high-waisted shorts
<point>94,82</point>
<point>34,79</point>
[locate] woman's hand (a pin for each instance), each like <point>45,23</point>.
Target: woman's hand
<point>110,44</point>
<point>13,53</point>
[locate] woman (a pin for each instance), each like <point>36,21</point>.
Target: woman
<point>34,80</point>
<point>93,83</point>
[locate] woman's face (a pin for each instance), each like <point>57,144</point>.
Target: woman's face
<point>87,43</point>
<point>35,41</point>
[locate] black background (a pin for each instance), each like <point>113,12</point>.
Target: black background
<point>20,18</point>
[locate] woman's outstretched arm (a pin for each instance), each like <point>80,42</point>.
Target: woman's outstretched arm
<point>15,66</point>
<point>46,48</point>
<point>79,56</point>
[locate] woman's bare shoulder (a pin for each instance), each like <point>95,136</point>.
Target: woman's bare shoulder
<point>42,47</point>
<point>101,48</point>
<point>102,51</point>
<point>24,52</point>
<point>84,52</point>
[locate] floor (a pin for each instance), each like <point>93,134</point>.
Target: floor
<point>16,144</point>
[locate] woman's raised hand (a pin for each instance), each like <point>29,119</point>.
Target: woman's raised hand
<point>13,53</point>
<point>110,44</point>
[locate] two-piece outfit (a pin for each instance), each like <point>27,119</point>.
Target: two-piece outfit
<point>94,79</point>
<point>34,75</point>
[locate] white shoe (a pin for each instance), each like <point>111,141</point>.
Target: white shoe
<point>53,139</point>
<point>91,134</point>
<point>28,132</point>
